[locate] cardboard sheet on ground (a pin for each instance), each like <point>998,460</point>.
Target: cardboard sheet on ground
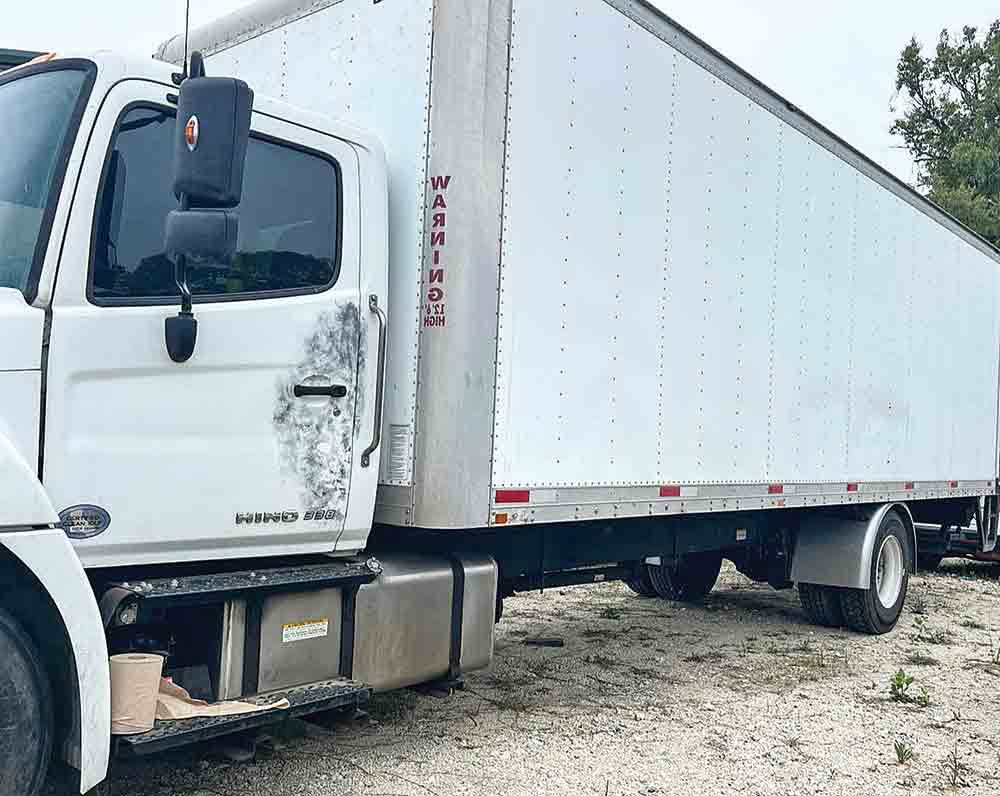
<point>174,703</point>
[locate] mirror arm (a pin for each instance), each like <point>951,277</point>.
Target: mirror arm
<point>181,271</point>
<point>182,330</point>
<point>180,277</point>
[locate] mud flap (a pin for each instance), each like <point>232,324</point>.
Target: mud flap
<point>987,521</point>
<point>836,550</point>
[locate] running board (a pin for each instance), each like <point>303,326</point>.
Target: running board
<point>304,700</point>
<point>215,588</point>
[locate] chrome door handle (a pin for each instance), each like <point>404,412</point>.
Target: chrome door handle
<point>366,456</point>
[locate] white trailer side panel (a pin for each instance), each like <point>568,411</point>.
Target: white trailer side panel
<point>695,291</point>
<point>368,64</point>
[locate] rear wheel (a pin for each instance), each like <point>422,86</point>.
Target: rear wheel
<point>641,584</point>
<point>875,610</point>
<point>26,729</point>
<point>821,604</point>
<point>689,580</point>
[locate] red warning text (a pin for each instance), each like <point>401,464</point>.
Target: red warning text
<point>435,315</point>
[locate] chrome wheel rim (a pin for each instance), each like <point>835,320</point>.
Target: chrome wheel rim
<point>889,569</point>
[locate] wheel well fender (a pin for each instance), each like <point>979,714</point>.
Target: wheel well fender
<point>903,510</point>
<point>23,500</point>
<point>835,549</point>
<point>47,589</point>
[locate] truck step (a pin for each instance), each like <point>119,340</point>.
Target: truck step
<point>207,588</point>
<point>304,700</point>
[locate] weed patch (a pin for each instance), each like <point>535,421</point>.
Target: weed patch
<point>705,657</point>
<point>601,661</point>
<point>899,690</point>
<point>918,603</point>
<point>920,659</point>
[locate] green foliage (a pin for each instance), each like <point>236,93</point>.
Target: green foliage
<point>899,690</point>
<point>904,752</point>
<point>951,124</point>
<point>954,767</point>
<point>899,685</point>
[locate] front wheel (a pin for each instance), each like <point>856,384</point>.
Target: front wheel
<point>876,610</point>
<point>26,728</point>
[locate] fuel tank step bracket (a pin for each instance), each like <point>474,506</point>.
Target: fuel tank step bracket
<point>304,700</point>
<point>209,588</point>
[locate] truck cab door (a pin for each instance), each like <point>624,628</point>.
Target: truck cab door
<point>247,449</point>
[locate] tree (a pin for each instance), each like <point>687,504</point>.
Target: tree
<point>951,124</point>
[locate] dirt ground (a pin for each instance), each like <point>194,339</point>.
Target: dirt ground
<point>647,697</point>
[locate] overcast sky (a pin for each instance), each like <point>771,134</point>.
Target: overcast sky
<point>838,66</point>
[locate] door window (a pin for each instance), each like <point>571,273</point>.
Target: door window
<point>289,240</point>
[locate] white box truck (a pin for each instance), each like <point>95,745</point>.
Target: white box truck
<point>588,302</point>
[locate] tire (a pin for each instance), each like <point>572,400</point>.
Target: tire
<point>642,584</point>
<point>821,604</point>
<point>26,696</point>
<point>689,581</point>
<point>869,610</point>
<point>928,562</point>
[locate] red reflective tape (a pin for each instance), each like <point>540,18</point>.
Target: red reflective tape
<point>954,485</point>
<point>908,486</point>
<point>513,496</point>
<point>776,489</point>
<point>670,491</point>
<point>852,487</point>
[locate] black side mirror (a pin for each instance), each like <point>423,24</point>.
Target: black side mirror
<point>213,129</point>
<point>213,117</point>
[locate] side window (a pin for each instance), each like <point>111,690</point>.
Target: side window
<point>288,227</point>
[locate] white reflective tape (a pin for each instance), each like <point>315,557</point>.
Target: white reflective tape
<point>544,495</point>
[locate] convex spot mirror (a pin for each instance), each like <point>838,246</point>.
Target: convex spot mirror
<point>201,235</point>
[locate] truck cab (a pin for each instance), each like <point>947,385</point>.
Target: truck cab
<point>113,456</point>
<point>181,458</point>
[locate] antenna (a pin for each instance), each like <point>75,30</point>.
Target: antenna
<point>187,31</point>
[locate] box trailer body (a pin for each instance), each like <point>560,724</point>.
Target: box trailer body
<point>627,279</point>
<point>587,303</point>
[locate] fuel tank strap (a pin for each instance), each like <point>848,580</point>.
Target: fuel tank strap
<point>457,614</point>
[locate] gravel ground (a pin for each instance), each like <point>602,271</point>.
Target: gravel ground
<point>647,697</point>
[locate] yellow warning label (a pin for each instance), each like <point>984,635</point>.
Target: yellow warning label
<point>308,628</point>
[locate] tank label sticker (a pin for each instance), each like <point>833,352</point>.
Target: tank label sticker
<point>84,521</point>
<point>300,631</point>
<point>435,315</point>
